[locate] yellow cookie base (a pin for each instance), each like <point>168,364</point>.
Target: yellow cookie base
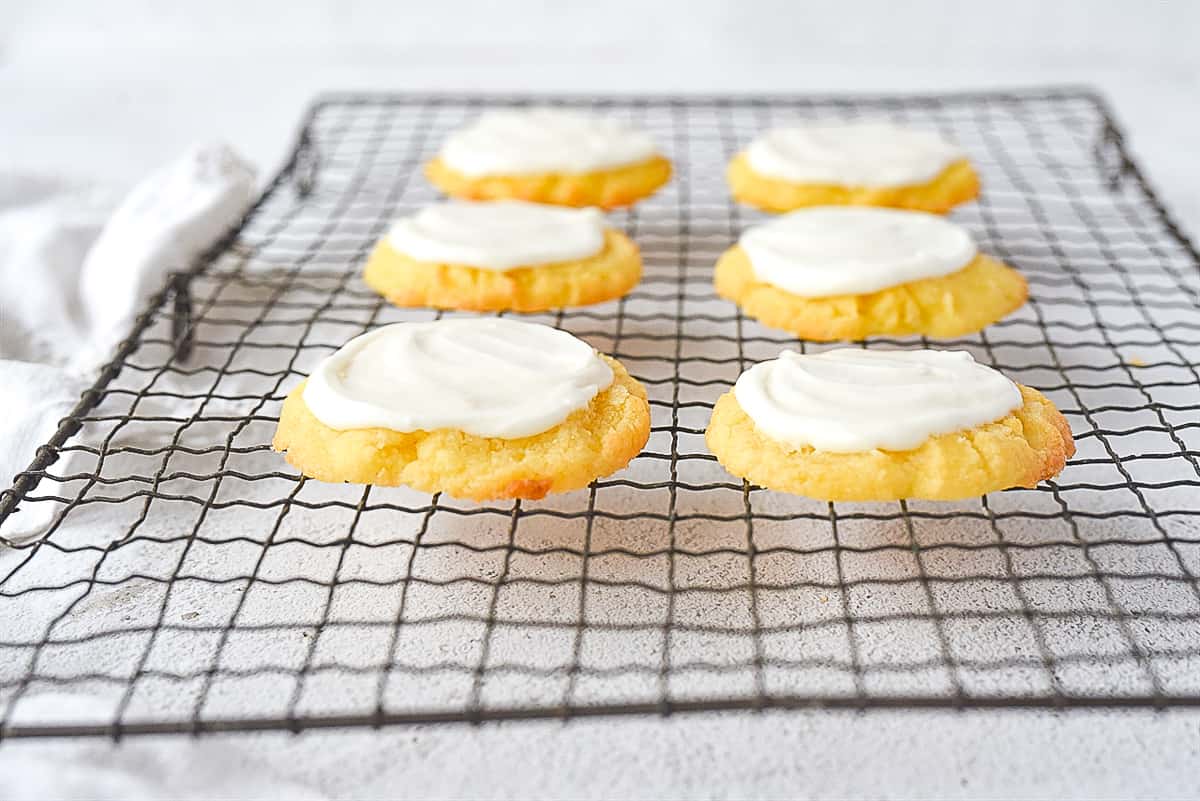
<point>592,442</point>
<point>1028,446</point>
<point>947,306</point>
<point>407,282</point>
<point>607,189</point>
<point>956,184</point>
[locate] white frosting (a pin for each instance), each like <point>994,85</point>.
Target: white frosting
<point>847,250</point>
<point>857,400</point>
<point>539,140</point>
<point>499,236</point>
<point>489,376</point>
<point>852,154</point>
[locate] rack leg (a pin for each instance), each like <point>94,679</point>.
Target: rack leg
<point>181,316</point>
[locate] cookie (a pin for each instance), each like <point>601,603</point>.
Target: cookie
<point>549,156</point>
<point>858,164</point>
<point>479,408</point>
<point>503,255</point>
<point>856,425</point>
<point>831,273</point>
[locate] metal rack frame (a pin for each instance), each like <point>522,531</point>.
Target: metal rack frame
<point>1081,593</point>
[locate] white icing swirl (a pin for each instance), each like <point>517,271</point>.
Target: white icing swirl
<point>489,376</point>
<point>499,236</point>
<point>846,250</point>
<point>850,400</point>
<point>852,154</point>
<point>541,140</point>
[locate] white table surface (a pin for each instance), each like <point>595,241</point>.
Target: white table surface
<point>86,109</point>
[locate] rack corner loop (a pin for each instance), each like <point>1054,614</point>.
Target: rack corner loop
<point>1111,158</point>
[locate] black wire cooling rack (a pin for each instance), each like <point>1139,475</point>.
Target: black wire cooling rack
<point>161,570</point>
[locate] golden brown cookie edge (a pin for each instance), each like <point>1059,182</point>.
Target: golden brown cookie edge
<point>607,189</point>
<point>406,282</point>
<point>1027,446</point>
<point>966,301</point>
<point>591,443</point>
<point>958,183</point>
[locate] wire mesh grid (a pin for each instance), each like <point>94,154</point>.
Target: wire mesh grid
<point>167,570</point>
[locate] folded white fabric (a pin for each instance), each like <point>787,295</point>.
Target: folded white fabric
<point>75,269</point>
<point>43,244</point>
<point>74,273</point>
<point>164,224</point>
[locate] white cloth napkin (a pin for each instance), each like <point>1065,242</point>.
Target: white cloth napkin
<point>76,266</point>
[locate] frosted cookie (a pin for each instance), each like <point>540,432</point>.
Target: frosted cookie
<point>549,156</point>
<point>857,425</point>
<point>503,255</point>
<point>860,164</point>
<point>482,408</point>
<point>848,273</point>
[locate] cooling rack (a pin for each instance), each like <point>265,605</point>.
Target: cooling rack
<point>161,570</point>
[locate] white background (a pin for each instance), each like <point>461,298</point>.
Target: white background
<point>107,90</point>
<point>111,88</point>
